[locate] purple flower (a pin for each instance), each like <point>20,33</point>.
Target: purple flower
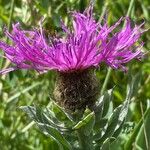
<point>85,45</point>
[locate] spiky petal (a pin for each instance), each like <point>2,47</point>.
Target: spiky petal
<point>85,45</point>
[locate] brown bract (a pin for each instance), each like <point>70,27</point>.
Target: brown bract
<point>76,90</point>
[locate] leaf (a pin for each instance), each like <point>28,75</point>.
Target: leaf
<point>119,129</point>
<point>37,115</point>
<point>143,137</point>
<point>107,98</point>
<point>102,106</point>
<point>106,144</point>
<point>133,136</point>
<point>86,124</point>
<point>55,134</point>
<point>112,123</point>
<point>61,114</point>
<point>115,123</point>
<point>45,125</point>
<point>50,114</point>
<point>133,86</point>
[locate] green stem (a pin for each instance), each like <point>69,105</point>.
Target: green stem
<point>104,9</point>
<point>130,8</point>
<point>10,16</point>
<point>85,142</point>
<point>106,80</point>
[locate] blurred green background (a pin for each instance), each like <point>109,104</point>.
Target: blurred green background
<point>29,88</point>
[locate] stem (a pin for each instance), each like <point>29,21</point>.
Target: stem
<point>85,142</point>
<point>104,9</point>
<point>106,80</point>
<point>10,16</point>
<point>130,8</point>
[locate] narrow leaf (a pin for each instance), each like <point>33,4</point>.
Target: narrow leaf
<point>86,124</point>
<point>46,125</point>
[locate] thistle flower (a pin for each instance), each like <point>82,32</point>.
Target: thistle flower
<point>85,46</point>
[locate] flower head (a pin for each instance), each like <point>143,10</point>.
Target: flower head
<point>86,44</point>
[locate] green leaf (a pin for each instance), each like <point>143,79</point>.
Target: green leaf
<point>107,98</point>
<point>46,125</point>
<point>115,123</point>
<point>111,125</point>
<point>55,134</point>
<point>36,114</point>
<point>143,137</point>
<point>133,136</point>
<point>106,144</point>
<point>61,114</point>
<point>102,106</point>
<point>119,129</point>
<point>133,85</point>
<point>86,124</point>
